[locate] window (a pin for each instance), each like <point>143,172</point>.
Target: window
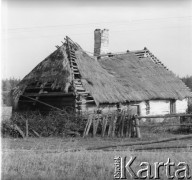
<point>172,106</point>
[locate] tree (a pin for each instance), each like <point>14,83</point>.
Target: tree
<point>8,84</point>
<point>188,81</point>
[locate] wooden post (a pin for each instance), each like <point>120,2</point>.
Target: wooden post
<point>126,125</point>
<point>95,125</point>
<point>110,125</point>
<point>114,125</point>
<point>128,119</point>
<point>138,133</point>
<point>27,129</point>
<point>119,121</point>
<point>132,127</point>
<point>85,130</point>
<point>88,125</point>
<point>122,122</point>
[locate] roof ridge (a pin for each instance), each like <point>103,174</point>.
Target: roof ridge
<point>154,58</point>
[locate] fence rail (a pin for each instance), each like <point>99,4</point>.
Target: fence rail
<point>166,116</point>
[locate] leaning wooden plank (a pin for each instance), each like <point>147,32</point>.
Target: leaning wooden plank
<point>27,128</point>
<point>110,126</point>
<point>89,125</point>
<point>104,125</point>
<point>119,124</point>
<point>114,125</point>
<point>129,126</point>
<point>19,130</point>
<point>95,126</point>
<point>97,123</point>
<point>133,129</point>
<point>126,125</point>
<point>43,103</point>
<point>138,133</point>
<point>122,123</point>
<point>36,133</point>
<point>85,130</point>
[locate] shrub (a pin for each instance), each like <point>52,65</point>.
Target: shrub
<point>53,124</point>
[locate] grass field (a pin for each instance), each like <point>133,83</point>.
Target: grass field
<point>46,158</point>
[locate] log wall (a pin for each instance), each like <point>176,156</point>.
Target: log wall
<point>60,102</point>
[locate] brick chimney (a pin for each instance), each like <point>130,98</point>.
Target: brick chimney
<point>101,44</point>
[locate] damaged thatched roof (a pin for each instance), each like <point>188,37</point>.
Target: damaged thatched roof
<point>127,78</point>
<point>55,69</point>
<point>114,79</point>
<point>146,79</point>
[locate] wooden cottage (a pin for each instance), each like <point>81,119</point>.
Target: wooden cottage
<point>69,78</point>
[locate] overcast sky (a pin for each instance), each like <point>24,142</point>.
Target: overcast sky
<point>32,29</point>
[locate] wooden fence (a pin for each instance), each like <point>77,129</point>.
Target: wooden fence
<point>125,125</point>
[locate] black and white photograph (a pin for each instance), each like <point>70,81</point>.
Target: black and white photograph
<point>96,89</point>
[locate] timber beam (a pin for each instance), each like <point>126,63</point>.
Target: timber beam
<point>48,94</point>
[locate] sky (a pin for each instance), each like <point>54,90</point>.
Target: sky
<point>32,29</point>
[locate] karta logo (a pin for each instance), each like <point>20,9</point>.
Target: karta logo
<point>124,169</point>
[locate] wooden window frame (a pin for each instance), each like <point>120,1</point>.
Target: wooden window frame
<point>147,104</point>
<point>172,106</point>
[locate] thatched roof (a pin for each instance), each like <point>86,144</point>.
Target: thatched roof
<point>103,86</point>
<point>55,69</point>
<point>127,78</point>
<point>119,78</point>
<point>146,79</point>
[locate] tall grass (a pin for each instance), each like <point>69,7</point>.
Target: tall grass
<point>29,164</point>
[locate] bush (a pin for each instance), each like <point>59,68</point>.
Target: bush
<point>53,124</point>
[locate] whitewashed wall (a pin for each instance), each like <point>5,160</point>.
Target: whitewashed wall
<point>157,107</point>
<point>142,106</point>
<point>160,107</point>
<point>181,106</point>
